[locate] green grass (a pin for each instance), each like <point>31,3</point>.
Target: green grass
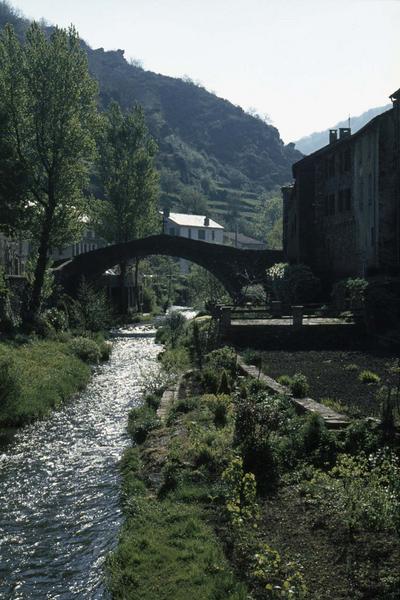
<point>166,549</point>
<point>46,375</point>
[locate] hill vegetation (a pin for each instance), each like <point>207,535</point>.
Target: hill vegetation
<point>213,156</point>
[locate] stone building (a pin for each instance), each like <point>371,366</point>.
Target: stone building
<point>342,214</point>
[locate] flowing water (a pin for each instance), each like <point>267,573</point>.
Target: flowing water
<point>59,482</point>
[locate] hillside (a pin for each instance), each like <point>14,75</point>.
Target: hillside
<point>319,139</point>
<point>210,151</point>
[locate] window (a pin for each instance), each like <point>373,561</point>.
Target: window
<point>213,235</point>
<point>201,234</point>
<point>171,231</point>
<point>189,234</point>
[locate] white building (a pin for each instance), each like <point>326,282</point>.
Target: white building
<point>194,227</point>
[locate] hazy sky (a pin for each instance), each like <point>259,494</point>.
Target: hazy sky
<point>306,63</point>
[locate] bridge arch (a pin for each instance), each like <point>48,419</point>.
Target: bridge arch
<point>233,267</point>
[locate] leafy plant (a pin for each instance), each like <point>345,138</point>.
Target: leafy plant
<point>141,421</point>
<point>369,377</point>
<point>85,349</point>
<point>299,386</point>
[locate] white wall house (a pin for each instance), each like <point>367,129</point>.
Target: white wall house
<point>194,227</point>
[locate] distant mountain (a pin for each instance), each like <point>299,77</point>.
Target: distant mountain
<point>317,140</point>
<point>206,144</point>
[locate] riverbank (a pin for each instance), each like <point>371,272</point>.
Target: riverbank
<point>292,510</point>
<point>37,376</point>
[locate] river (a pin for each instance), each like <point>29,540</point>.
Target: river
<point>60,486</point>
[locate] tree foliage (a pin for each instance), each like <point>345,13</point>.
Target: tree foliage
<point>128,176</point>
<point>48,115</point>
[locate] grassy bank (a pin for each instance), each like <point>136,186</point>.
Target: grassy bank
<point>37,376</point>
<point>290,509</point>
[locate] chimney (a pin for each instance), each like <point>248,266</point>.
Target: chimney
<point>166,213</point>
<point>206,222</point>
<point>333,137</point>
<point>344,132</point>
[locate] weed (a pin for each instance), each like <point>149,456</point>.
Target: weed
<point>369,377</point>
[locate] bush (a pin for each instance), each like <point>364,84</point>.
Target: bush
<point>152,401</point>
<point>219,406</point>
<point>299,386</point>
<point>285,380</point>
<point>315,442</point>
<point>251,357</point>
<point>369,377</point>
<point>361,436</point>
<point>224,386</point>
<point>9,385</point>
<point>91,311</point>
<point>85,349</point>
<point>141,421</point>
<point>56,318</point>
<point>210,381</point>
<point>148,300</point>
<point>222,359</point>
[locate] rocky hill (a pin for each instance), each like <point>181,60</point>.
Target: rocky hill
<point>209,148</point>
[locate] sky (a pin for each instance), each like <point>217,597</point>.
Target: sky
<point>307,64</point>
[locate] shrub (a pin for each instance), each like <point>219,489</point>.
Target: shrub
<point>285,380</point>
<point>148,300</point>
<point>85,349</point>
<point>91,311</point>
<point>222,359</point>
<point>361,436</point>
<point>240,494</point>
<point>224,385</point>
<point>361,491</point>
<point>369,377</point>
<point>174,326</point>
<point>182,406</point>
<point>56,318</point>
<point>251,357</point>
<point>9,385</point>
<point>299,386</point>
<point>152,401</point>
<point>351,367</point>
<point>219,406</point>
<point>141,421</point>
<point>210,381</point>
<point>316,442</point>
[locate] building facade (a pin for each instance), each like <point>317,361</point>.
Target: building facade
<point>194,227</point>
<point>342,214</point>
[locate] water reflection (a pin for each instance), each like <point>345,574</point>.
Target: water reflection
<point>59,483</point>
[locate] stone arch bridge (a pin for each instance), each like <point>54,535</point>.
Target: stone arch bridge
<point>235,268</point>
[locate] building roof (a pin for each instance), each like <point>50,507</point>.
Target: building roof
<point>184,220</point>
<point>242,239</point>
<point>341,142</point>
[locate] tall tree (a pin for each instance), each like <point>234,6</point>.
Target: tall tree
<point>129,180</point>
<point>49,116</point>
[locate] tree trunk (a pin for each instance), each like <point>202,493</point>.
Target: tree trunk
<point>123,305</point>
<point>40,268</point>
<point>137,261</point>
